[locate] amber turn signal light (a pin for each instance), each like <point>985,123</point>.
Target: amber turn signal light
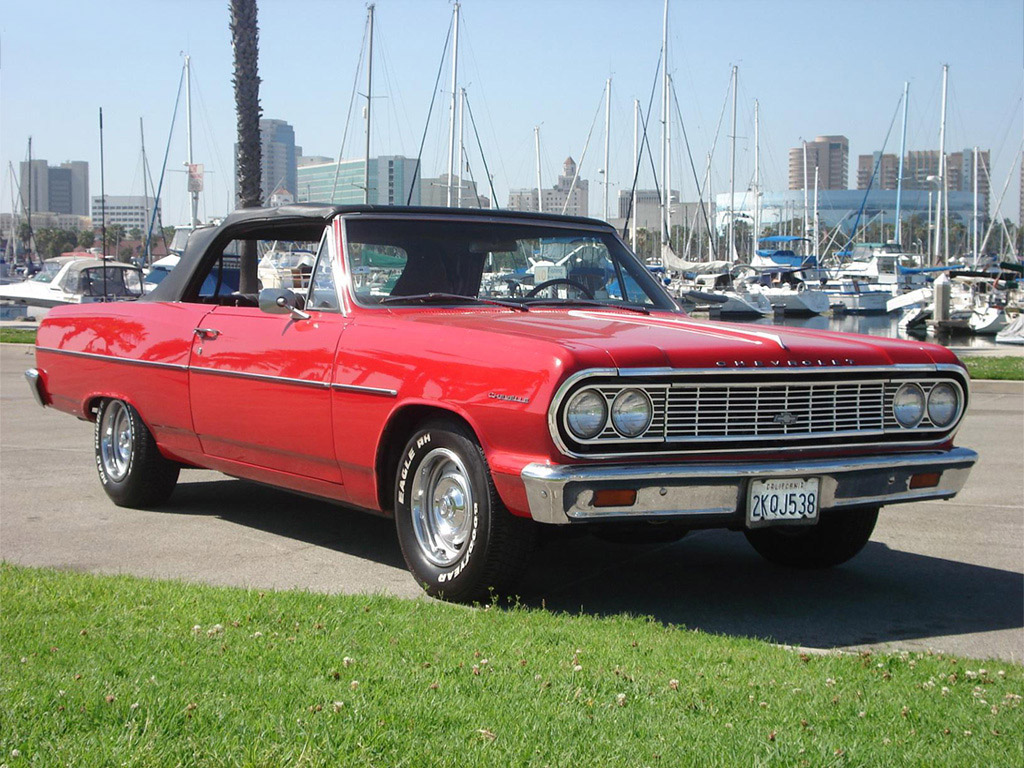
<point>925,480</point>
<point>615,498</point>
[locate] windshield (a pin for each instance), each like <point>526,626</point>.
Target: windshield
<point>48,272</point>
<point>396,261</point>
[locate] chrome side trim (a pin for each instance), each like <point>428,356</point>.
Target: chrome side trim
<point>365,390</point>
<point>296,382</point>
<point>260,377</point>
<point>670,446</point>
<point>35,383</point>
<point>561,494</point>
<point>115,359</point>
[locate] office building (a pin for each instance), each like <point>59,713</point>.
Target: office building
<point>646,211</point>
<point>390,180</point>
<point>61,188</point>
<point>434,193</point>
<point>555,198</point>
<point>829,154</point>
<point>130,211</point>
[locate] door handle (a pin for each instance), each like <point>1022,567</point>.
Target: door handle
<point>206,333</point>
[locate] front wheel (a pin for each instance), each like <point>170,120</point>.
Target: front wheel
<point>131,468</point>
<point>457,538</point>
<point>835,538</point>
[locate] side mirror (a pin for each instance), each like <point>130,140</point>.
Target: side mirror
<point>281,301</point>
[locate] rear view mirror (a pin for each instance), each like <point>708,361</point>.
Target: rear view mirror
<point>281,301</point>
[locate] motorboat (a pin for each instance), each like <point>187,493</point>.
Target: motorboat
<point>76,280</point>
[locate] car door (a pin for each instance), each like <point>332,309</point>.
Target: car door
<point>260,383</point>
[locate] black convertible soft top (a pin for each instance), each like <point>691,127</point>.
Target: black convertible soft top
<point>305,222</point>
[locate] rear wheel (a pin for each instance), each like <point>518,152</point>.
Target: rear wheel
<point>836,538</point>
<point>131,468</point>
<point>457,538</point>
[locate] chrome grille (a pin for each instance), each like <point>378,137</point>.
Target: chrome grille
<point>751,412</point>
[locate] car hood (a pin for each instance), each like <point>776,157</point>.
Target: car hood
<point>675,340</point>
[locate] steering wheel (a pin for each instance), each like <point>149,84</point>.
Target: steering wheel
<point>561,281</point>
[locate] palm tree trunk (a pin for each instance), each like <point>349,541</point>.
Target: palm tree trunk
<point>245,44</point>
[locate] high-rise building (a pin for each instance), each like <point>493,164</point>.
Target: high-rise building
<point>887,175</point>
<point>434,193</point>
<point>555,199</point>
<point>130,211</point>
<point>829,154</point>
<point>277,147</point>
<point>62,188</point>
<point>343,183</point>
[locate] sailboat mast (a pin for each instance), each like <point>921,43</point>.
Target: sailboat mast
<point>193,193</point>
<point>462,147</point>
<point>804,233</point>
<point>732,169</point>
<point>636,155</point>
<point>451,125</point>
<point>664,130</point>
<point>28,199</point>
<point>815,214</point>
<point>369,103</point>
<point>975,207</point>
<point>757,183</point>
<point>942,164</point>
<point>903,152</point>
<point>145,191</point>
<point>607,129</point>
<point>540,194</point>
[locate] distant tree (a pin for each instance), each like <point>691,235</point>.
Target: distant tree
<point>44,239</point>
<point>24,233</point>
<point>115,233</point>
<point>168,234</point>
<point>86,238</point>
<point>134,233</point>
<point>126,253</point>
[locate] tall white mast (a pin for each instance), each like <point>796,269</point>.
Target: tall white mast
<point>607,129</point>
<point>451,127</point>
<point>664,131</point>
<point>942,164</point>
<point>903,152</point>
<point>636,156</point>
<point>668,164</point>
<point>148,255</point>
<point>369,102</point>
<point>806,185</point>
<point>540,193</point>
<point>711,200</point>
<point>757,182</point>
<point>194,194</point>
<point>816,213</point>
<point>462,147</point>
<point>732,168</point>
<point>975,207</point>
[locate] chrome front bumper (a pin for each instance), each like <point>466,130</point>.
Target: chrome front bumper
<point>563,493</point>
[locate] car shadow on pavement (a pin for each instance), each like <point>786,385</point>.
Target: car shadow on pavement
<point>710,580</point>
<point>315,522</point>
<point>715,582</point>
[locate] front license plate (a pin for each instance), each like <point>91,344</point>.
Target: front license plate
<point>789,500</point>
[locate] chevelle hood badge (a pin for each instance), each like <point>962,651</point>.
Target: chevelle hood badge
<point>816,362</point>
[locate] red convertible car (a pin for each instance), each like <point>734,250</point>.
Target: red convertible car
<point>477,375</point>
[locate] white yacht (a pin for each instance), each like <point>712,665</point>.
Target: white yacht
<point>76,280</point>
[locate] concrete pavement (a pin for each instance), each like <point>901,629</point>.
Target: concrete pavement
<point>942,575</point>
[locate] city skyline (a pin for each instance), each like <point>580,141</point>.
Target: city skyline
<point>510,89</point>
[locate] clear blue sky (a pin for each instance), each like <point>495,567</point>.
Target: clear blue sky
<point>816,68</point>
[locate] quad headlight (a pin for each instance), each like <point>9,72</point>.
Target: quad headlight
<point>943,404</point>
<point>908,405</point>
<point>632,412</point>
<point>586,414</point>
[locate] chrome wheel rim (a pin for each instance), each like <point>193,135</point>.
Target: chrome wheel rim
<point>442,507</point>
<point>116,440</point>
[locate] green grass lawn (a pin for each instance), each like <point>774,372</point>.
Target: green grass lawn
<point>18,335</point>
<point>101,670</point>
<point>1007,368</point>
